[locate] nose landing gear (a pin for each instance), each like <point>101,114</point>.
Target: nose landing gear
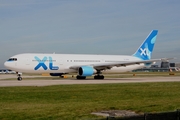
<point>19,76</point>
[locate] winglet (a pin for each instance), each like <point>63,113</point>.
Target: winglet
<point>145,50</point>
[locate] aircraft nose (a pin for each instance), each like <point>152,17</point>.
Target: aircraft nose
<point>6,64</point>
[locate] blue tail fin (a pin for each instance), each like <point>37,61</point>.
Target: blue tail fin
<point>145,50</point>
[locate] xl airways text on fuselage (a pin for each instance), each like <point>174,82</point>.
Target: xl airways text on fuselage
<point>82,64</point>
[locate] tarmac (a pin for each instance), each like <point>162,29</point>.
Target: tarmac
<point>10,80</point>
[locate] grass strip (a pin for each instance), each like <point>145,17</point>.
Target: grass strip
<point>75,102</point>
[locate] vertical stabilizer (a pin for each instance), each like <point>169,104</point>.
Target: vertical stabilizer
<point>145,50</point>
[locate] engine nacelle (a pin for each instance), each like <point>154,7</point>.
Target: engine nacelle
<point>56,74</point>
<point>86,71</point>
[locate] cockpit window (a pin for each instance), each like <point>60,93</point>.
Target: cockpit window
<point>12,59</point>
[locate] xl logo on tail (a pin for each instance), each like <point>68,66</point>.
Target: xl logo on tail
<point>144,52</point>
<point>43,65</point>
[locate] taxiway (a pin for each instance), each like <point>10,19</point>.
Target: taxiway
<point>5,82</point>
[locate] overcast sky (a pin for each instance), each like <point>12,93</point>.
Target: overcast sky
<point>88,26</point>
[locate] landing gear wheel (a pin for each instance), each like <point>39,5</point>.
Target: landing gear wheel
<point>80,77</point>
<point>99,77</point>
<point>19,78</point>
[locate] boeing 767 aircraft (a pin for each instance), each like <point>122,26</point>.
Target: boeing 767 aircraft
<point>82,64</point>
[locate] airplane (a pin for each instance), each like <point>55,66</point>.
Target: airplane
<point>83,64</point>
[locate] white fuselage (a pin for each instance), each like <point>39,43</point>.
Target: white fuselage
<point>61,63</point>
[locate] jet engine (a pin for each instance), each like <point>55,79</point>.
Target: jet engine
<point>86,71</point>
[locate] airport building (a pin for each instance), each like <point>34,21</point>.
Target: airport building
<point>163,67</point>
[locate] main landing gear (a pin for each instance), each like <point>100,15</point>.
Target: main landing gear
<point>80,77</point>
<point>95,77</point>
<point>98,77</point>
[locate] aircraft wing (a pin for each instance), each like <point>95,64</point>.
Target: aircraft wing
<point>105,66</point>
<point>121,64</point>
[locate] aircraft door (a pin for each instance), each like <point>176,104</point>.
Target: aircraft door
<point>60,63</point>
<point>27,61</point>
